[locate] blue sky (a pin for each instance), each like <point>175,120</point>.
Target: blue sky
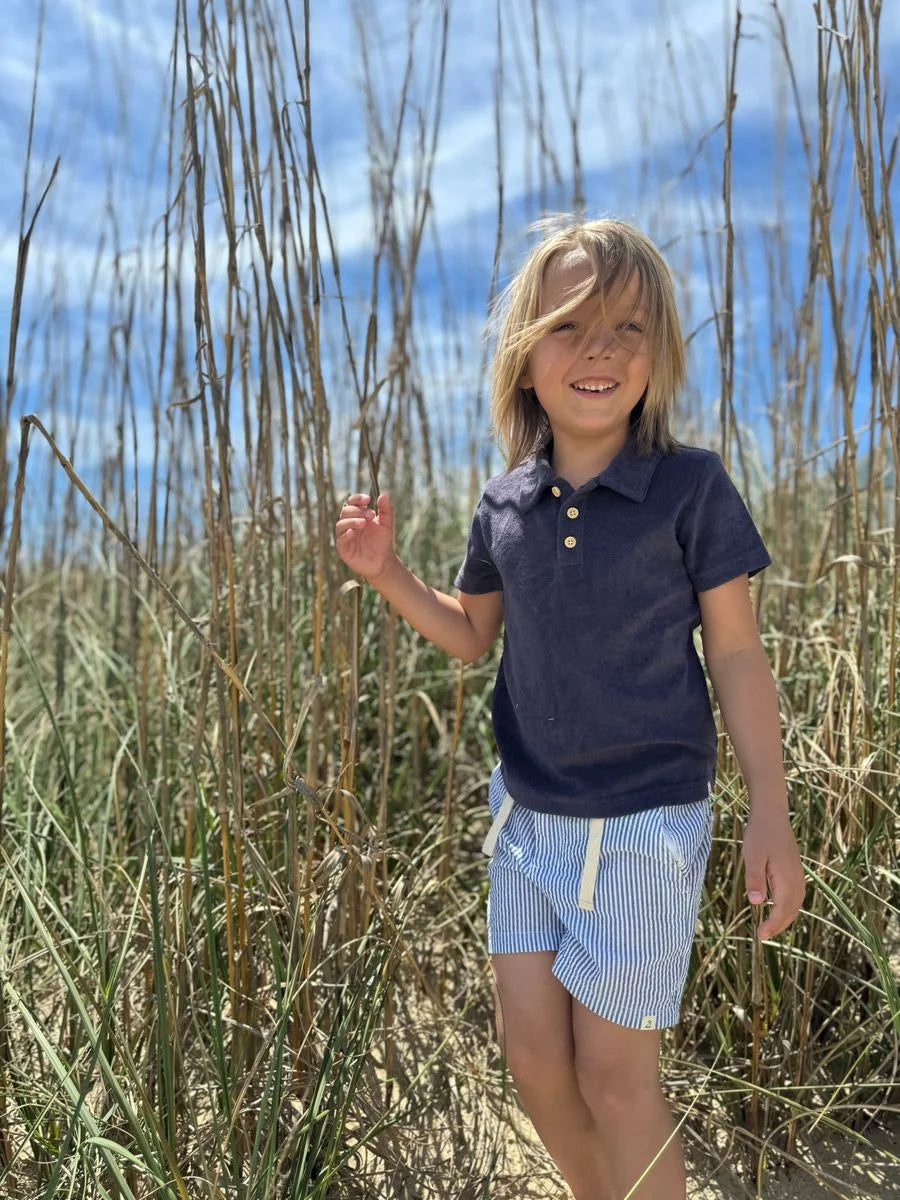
<point>653,81</point>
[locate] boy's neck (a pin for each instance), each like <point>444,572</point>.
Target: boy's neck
<point>579,462</point>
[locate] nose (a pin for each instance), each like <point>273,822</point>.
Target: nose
<point>599,343</point>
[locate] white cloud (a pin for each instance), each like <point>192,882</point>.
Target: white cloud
<point>627,109</point>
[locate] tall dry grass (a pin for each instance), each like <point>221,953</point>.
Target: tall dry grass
<point>243,933</point>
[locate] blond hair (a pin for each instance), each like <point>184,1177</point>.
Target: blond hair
<point>616,251</point>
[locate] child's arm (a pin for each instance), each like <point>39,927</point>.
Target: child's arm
<point>742,679</point>
<point>365,543</point>
<point>465,633</point>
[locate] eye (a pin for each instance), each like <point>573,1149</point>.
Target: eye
<point>631,326</point>
<point>563,327</point>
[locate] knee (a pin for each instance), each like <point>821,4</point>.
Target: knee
<point>619,1091</point>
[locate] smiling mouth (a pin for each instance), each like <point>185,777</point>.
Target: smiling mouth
<point>594,389</point>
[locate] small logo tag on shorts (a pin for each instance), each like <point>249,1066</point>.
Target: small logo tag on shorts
<point>648,1022</point>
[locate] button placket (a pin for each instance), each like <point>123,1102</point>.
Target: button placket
<point>570,525</point>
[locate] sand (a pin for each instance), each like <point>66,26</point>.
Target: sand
<point>828,1166</point>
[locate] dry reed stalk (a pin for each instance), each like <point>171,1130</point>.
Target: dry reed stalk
<point>860,71</point>
<point>25,236</point>
<point>729,431</point>
<point>6,1151</point>
<point>727,422</point>
<point>239,939</point>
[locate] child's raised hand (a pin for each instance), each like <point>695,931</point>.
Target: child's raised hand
<point>365,539</point>
<point>772,863</point>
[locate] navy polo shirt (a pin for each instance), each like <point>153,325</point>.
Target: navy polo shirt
<point>600,705</point>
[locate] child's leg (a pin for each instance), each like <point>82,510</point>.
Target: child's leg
<point>534,1028</point>
<point>618,1074</point>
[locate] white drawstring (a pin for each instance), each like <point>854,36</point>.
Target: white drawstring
<point>591,858</point>
<point>487,846</point>
<point>591,863</point>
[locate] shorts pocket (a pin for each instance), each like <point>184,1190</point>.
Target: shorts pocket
<point>686,833</point>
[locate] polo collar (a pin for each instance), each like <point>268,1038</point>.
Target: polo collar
<point>629,473</point>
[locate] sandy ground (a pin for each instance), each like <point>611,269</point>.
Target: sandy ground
<point>828,1166</point>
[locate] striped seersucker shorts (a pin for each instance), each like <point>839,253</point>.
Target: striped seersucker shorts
<point>616,897</point>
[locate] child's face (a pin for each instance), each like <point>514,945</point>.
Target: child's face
<point>568,365</point>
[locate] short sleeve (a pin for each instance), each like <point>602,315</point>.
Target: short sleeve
<point>478,572</point>
<point>717,533</point>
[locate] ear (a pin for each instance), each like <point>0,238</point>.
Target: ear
<point>525,379</point>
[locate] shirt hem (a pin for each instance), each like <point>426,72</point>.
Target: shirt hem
<point>621,805</point>
<point>740,565</point>
<point>476,587</point>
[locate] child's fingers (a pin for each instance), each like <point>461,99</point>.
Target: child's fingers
<point>355,504</point>
<point>360,501</point>
<point>787,900</point>
<point>385,508</point>
<point>356,513</point>
<point>780,916</point>
<point>757,891</point>
<point>350,525</point>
